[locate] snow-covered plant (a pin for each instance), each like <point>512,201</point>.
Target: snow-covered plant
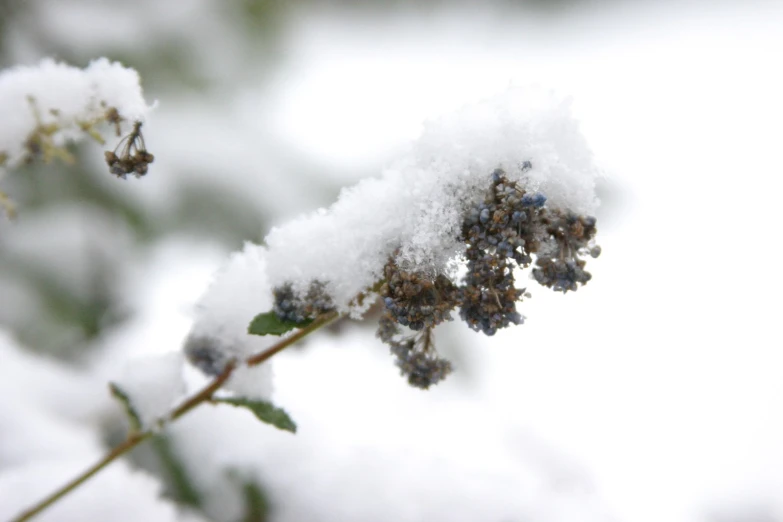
<point>47,106</point>
<point>497,187</point>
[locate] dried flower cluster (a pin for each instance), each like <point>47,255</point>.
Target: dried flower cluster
<point>507,228</point>
<point>133,157</point>
<point>502,231</point>
<point>415,355</point>
<point>205,353</point>
<point>499,231</point>
<point>561,268</point>
<point>290,307</point>
<point>416,301</point>
<point>45,140</point>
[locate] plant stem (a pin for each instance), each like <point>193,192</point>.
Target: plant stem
<point>118,451</point>
<point>320,321</point>
<point>203,395</point>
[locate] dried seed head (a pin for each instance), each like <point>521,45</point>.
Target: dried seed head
<point>132,157</point>
<point>290,307</point>
<point>205,354</point>
<point>416,300</point>
<point>415,355</point>
<point>505,229</point>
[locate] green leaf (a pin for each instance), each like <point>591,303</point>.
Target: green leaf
<point>256,503</point>
<point>133,417</point>
<point>180,484</point>
<point>265,411</point>
<point>257,506</point>
<point>270,324</point>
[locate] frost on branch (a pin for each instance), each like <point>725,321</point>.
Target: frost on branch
<point>494,187</point>
<point>47,106</point>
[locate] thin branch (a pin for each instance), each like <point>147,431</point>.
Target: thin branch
<point>203,395</point>
<point>320,321</point>
<point>118,451</point>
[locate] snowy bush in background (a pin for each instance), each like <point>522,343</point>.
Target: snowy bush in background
<point>51,104</point>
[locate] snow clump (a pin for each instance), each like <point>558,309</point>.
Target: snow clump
<point>55,103</point>
<point>416,207</point>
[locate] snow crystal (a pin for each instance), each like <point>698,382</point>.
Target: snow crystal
<point>239,292</point>
<point>57,93</point>
<point>418,204</point>
<point>153,384</point>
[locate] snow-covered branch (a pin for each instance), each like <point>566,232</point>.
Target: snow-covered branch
<point>496,187</point>
<point>47,106</point>
<point>483,191</point>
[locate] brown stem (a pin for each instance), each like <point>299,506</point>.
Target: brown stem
<point>118,451</point>
<point>321,320</point>
<point>203,395</point>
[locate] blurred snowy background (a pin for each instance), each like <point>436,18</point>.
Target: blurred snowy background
<point>652,394</point>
